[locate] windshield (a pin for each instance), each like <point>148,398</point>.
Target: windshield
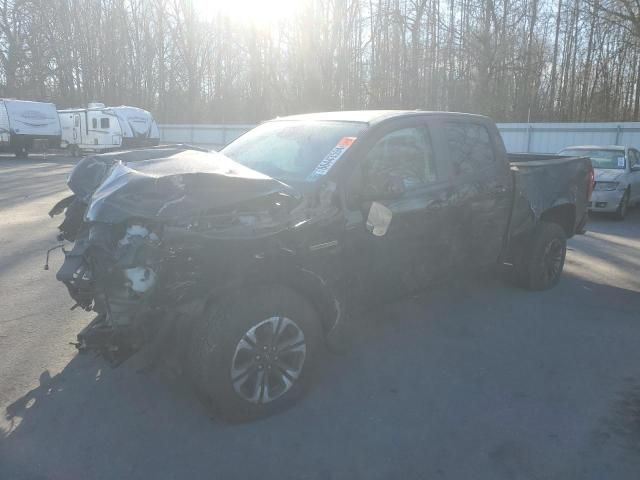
<point>600,158</point>
<point>294,150</point>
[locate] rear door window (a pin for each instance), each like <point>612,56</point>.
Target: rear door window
<point>470,147</point>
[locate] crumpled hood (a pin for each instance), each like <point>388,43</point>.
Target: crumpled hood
<point>165,183</point>
<point>608,174</point>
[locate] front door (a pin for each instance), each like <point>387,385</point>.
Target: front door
<point>398,174</point>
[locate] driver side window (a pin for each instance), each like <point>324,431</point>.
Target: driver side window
<point>400,161</point>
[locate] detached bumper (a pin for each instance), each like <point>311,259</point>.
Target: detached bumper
<point>606,201</point>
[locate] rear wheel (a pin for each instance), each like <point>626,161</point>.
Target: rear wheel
<point>541,259</point>
<point>255,355</point>
<point>621,212</point>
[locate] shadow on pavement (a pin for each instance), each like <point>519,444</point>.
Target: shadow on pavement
<point>454,369</point>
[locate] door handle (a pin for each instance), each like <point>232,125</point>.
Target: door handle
<point>499,189</point>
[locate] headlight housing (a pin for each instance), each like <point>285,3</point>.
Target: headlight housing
<point>608,186</point>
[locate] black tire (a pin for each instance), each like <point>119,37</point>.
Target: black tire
<point>541,260</point>
<point>621,212</point>
<point>222,341</point>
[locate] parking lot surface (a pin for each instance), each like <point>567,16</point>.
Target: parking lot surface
<point>476,379</point>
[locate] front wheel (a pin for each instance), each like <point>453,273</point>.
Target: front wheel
<point>541,259</point>
<point>255,355</point>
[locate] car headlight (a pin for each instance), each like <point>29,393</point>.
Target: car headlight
<point>606,185</point>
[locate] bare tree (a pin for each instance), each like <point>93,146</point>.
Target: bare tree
<point>516,60</point>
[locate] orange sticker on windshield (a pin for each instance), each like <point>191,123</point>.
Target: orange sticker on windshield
<point>346,141</point>
<point>332,157</point>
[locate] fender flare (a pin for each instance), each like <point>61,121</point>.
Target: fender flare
<point>284,270</point>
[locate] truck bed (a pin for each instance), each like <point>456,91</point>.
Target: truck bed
<point>545,182</point>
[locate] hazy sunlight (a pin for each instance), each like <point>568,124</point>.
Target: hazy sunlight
<point>259,12</point>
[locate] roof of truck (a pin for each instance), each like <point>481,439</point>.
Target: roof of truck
<point>367,116</point>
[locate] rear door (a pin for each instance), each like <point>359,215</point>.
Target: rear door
<point>482,187</point>
<point>400,159</point>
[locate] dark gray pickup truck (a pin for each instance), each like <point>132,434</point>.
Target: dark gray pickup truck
<point>244,264</point>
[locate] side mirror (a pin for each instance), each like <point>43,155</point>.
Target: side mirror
<point>378,219</point>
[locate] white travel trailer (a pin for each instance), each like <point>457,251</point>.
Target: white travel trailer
<point>99,128</point>
<point>24,123</point>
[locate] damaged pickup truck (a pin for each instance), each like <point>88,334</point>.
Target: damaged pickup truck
<point>246,264</point>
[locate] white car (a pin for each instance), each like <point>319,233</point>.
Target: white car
<point>617,176</point>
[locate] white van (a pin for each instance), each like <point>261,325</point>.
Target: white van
<point>98,128</point>
<point>24,123</point>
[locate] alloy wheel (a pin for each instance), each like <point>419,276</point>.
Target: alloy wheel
<point>268,360</point>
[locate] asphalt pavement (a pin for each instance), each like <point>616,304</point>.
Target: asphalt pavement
<point>475,380</point>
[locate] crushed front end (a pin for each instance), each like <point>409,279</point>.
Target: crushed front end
<point>146,226</point>
<point>113,271</point>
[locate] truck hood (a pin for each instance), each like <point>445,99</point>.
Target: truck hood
<point>166,184</point>
<point>608,174</point>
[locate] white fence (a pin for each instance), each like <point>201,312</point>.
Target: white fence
<point>207,135</point>
<point>518,137</point>
<point>551,137</point>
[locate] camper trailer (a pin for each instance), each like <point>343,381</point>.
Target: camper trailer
<point>99,129</point>
<point>24,124</point>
